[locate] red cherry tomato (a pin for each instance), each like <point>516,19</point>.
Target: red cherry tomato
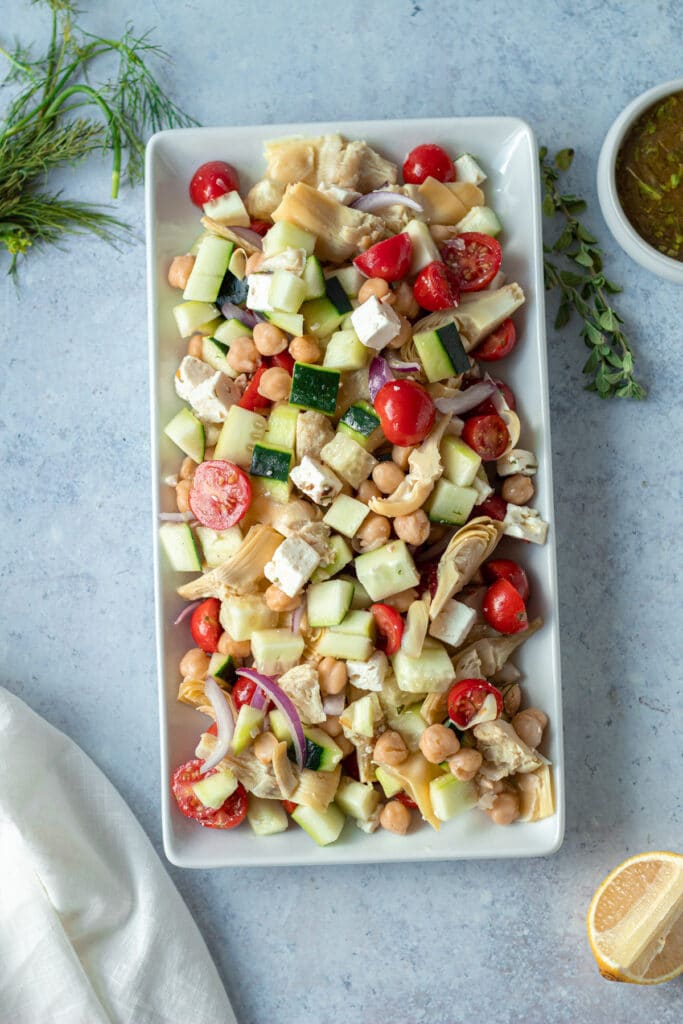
<point>466,699</point>
<point>428,161</point>
<point>220,495</point>
<point>260,227</point>
<point>232,812</point>
<point>204,625</point>
<point>389,260</point>
<point>436,288</point>
<point>406,800</point>
<point>212,180</point>
<point>390,626</point>
<point>506,569</point>
<point>251,399</point>
<point>498,344</point>
<point>504,608</point>
<point>429,579</point>
<point>487,408</point>
<point>289,806</point>
<point>405,410</point>
<point>494,507</point>
<point>488,435</point>
<point>283,360</point>
<point>474,259</point>
<point>243,691</point>
<point>213,729</point>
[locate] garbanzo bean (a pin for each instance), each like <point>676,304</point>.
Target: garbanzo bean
<point>180,270</point>
<point>269,339</point>
<point>264,745</point>
<point>387,476</point>
<point>368,490</point>
<point>243,356</point>
<point>512,698</point>
<point>395,817</point>
<point>465,763</point>
<point>305,349</point>
<point>332,725</point>
<point>182,495</point>
<point>405,303</point>
<point>275,384</point>
<point>237,648</point>
<point>438,743</point>
<point>529,726</point>
<point>390,748</point>
<point>332,675</point>
<point>372,533</point>
<point>278,601</point>
<point>373,286</point>
<point>413,528</point>
<point>517,489</point>
<point>187,468</point>
<point>209,454</point>
<point>505,809</point>
<point>194,346</point>
<point>194,664</point>
<point>403,336</point>
<point>400,455</point>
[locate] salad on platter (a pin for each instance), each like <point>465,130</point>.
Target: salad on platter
<point>350,467</point>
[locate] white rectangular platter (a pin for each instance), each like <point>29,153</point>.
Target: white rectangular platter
<point>507,150</point>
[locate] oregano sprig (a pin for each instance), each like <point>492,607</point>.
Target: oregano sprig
<point>573,264</point>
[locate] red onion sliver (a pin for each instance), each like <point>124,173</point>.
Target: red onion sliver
<point>466,400</point>
<point>247,234</point>
<point>401,366</point>
<point>297,615</point>
<point>187,610</point>
<point>258,700</point>
<point>378,200</point>
<point>497,396</point>
<point>232,312</point>
<point>285,705</point>
<point>378,375</point>
<point>175,517</point>
<point>224,723</point>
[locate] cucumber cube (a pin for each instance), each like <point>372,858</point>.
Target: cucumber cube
<point>229,330</point>
<point>348,459</point>
<point>218,545</point>
<point>291,323</point>
<point>321,317</point>
<point>179,544</point>
<point>287,291</point>
<point>189,316</point>
<point>275,650</point>
<point>241,615</point>
<point>222,666</point>
<point>188,433</point>
<point>342,555</point>
<point>281,429</point>
<point>411,725</point>
<point>324,827</point>
<point>313,278</point>
<point>357,799</point>
<point>315,387</point>
<point>240,432</point>
<point>346,515</point>
<point>327,603</point>
<point>345,352</point>
<point>389,783</point>
<point>450,796</point>
<point>214,790</point>
<point>461,463</point>
<point>482,219</point>
<point>363,715</point>
<point>228,209</point>
<point>215,353</point>
<point>450,503</point>
<point>271,461</point>
<point>266,817</point>
<point>342,645</point>
<point>360,418</point>
<point>210,265</point>
<point>322,753</point>
<point>432,672</point>
<point>284,235</point>
<point>247,727</point>
<point>350,279</point>
<point>441,352</point>
<point>358,623</point>
<point>387,570</point>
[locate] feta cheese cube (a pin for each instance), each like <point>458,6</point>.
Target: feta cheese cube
<point>189,375</point>
<point>469,170</point>
<point>368,675</point>
<point>375,323</point>
<point>525,523</point>
<point>517,461</point>
<point>257,295</point>
<point>289,259</point>
<point>453,623</point>
<point>209,392</point>
<point>482,486</point>
<point>317,482</point>
<point>345,196</point>
<point>292,565</point>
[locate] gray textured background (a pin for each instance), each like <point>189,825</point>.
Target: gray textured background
<point>443,943</point>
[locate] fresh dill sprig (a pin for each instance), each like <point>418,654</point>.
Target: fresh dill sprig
<point>59,115</point>
<point>584,289</point>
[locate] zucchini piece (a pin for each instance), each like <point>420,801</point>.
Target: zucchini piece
<point>281,429</point>
<point>411,725</point>
<point>362,716</point>
<point>357,623</point>
<point>275,650</point>
<point>240,432</point>
<point>210,266</point>
<point>271,461</point>
<point>327,603</point>
<point>215,353</point>
<point>231,329</point>
<point>389,784</point>
<point>247,727</point>
<point>357,799</point>
<point>222,666</point>
<point>291,323</point>
<point>337,296</point>
<point>324,827</point>
<point>191,316</point>
<point>344,645</point>
<point>346,515</point>
<point>284,235</point>
<point>450,503</point>
<point>188,433</point>
<point>345,352</point>
<point>342,555</point>
<point>180,546</point>
<point>266,817</point>
<point>244,614</point>
<point>432,672</point>
<point>387,570</point>
<point>215,789</point>
<point>482,219</point>
<point>322,753</point>
<point>348,459</point>
<point>287,291</point>
<point>441,352</point>
<point>313,278</point>
<point>350,279</point>
<point>361,422</point>
<point>314,387</point>
<point>321,317</point>
<point>218,545</point>
<point>449,796</point>
<point>461,463</point>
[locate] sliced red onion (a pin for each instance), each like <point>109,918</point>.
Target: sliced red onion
<point>378,375</point>
<point>224,722</point>
<point>232,312</point>
<point>284,704</point>
<point>297,615</point>
<point>378,200</point>
<point>187,610</point>
<point>258,700</point>
<point>175,517</point>
<point>497,396</point>
<point>466,400</point>
<point>401,366</point>
<point>247,234</point>
<point>333,704</point>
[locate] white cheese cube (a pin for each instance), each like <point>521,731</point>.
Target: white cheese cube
<point>257,295</point>
<point>368,675</point>
<point>189,374</point>
<point>345,196</point>
<point>292,565</point>
<point>525,523</point>
<point>517,461</point>
<point>375,323</point>
<point>209,392</point>
<point>453,623</point>
<point>289,259</point>
<point>228,209</point>
<point>482,486</point>
<point>317,482</point>
<point>469,170</point>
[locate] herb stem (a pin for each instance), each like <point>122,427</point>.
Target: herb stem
<point>87,90</point>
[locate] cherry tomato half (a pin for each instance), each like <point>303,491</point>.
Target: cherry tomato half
<point>220,495</point>
<point>487,408</point>
<point>504,608</point>
<point>289,806</point>
<point>506,569</point>
<point>212,180</point>
<point>436,287</point>
<point>232,812</point>
<point>429,577</point>
<point>428,161</point>
<point>498,344</point>
<point>466,699</point>
<point>204,625</point>
<point>488,435</point>
<point>406,412</point>
<point>283,360</point>
<point>474,258</point>
<point>252,399</point>
<point>406,800</point>
<point>260,227</point>
<point>389,260</point>
<point>243,691</point>
<point>494,507</point>
<point>390,626</point>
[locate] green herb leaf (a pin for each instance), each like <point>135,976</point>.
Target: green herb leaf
<point>548,206</point>
<point>564,158</point>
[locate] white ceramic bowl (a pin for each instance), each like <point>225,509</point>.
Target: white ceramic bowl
<point>617,221</point>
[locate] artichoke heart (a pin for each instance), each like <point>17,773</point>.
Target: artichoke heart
<point>215,228</point>
<point>329,160</point>
<point>470,546</point>
<point>242,573</point>
<point>477,318</point>
<point>425,468</point>
<point>486,656</point>
<point>341,231</point>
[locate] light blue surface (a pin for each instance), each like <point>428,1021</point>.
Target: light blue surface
<point>502,942</point>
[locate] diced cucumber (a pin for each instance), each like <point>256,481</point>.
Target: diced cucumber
<point>188,433</point>
<point>275,650</point>
<point>228,209</point>
<point>279,727</point>
<point>222,666</point>
<point>271,461</point>
<point>313,278</point>
<point>214,353</point>
<point>278,490</point>
<point>389,783</point>
<point>244,614</point>
<point>215,789</point>
<point>324,827</point>
<point>322,753</point>
<point>266,817</point>
<point>229,330</point>
<point>180,546</point>
<point>361,598</point>
<point>357,799</point>
<point>411,725</point>
<point>337,296</point>
<point>321,317</point>
<point>348,459</point>
<point>450,503</point>
<point>345,352</point>
<point>190,316</point>
<point>287,291</point>
<point>247,727</point>
<point>432,672</point>
<point>346,514</point>
<point>363,715</point>
<point>342,555</point>
<point>482,219</point>
<point>441,352</point>
<point>210,265</point>
<point>240,432</point>
<point>284,235</point>
<point>358,623</point>
<point>344,645</point>
<point>281,429</point>
<point>314,387</point>
<point>461,463</point>
<point>291,323</point>
<point>450,796</point>
<point>387,570</point>
<point>327,603</point>
<point>350,279</point>
<point>424,247</point>
<point>361,422</point>
<point>218,545</point>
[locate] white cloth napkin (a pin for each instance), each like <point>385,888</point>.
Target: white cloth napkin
<point>92,930</point>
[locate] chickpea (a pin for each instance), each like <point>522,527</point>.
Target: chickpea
<point>275,384</point>
<point>237,648</point>
<point>180,270</point>
<point>182,495</point>
<point>374,531</point>
<point>512,698</point>
<point>387,476</point>
<point>254,263</point>
<point>368,490</point>
<point>491,787</point>
<point>264,746</point>
<point>332,725</point>
<point>194,346</point>
<point>332,676</point>
<point>187,468</point>
<point>438,743</point>
<point>269,339</point>
<point>403,600</point>
<point>243,355</point>
<point>373,286</point>
<point>209,454</point>
<point>395,817</point>
<point>400,455</point>
<point>390,748</point>
<point>305,349</point>
<point>517,489</point>
<point>505,809</point>
<point>278,601</point>
<point>403,336</point>
<point>194,664</point>
<point>414,528</point>
<point>346,488</point>
<point>405,303</point>
<point>465,763</point>
<point>344,744</point>
<point>529,726</point>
